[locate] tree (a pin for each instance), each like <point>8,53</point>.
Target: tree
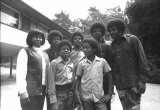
<point>94,15</point>
<point>144,21</point>
<point>144,17</point>
<point>63,20</point>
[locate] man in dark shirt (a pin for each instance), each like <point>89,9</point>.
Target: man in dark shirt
<point>128,63</point>
<point>97,31</point>
<point>54,37</point>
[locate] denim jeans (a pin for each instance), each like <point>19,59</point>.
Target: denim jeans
<point>90,105</point>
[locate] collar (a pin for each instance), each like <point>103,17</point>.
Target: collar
<point>120,40</point>
<point>76,48</point>
<point>36,48</point>
<point>95,59</point>
<point>59,59</point>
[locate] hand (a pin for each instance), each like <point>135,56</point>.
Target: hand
<point>55,106</point>
<point>24,98</point>
<point>141,87</point>
<point>105,98</point>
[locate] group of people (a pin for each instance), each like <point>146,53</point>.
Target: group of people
<point>82,72</point>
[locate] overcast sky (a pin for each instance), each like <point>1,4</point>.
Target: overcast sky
<point>76,8</point>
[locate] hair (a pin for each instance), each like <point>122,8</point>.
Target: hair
<point>119,23</point>
<point>33,33</point>
<point>52,34</point>
<point>97,25</point>
<point>93,43</point>
<point>76,34</point>
<point>62,43</point>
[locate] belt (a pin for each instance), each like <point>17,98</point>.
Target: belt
<point>63,87</point>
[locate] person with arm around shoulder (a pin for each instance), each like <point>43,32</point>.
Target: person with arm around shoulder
<point>32,64</point>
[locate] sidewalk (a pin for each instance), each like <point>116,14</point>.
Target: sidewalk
<point>10,99</point>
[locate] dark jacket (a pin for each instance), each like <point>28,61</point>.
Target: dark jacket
<point>52,54</point>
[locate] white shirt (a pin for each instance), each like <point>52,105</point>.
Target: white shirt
<point>21,71</point>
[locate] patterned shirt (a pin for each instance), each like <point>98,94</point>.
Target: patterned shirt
<point>128,61</point>
<point>92,78</point>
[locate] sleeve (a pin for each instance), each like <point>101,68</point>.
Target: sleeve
<point>106,67</point>
<point>142,61</point>
<point>79,69</point>
<point>51,82</point>
<point>107,55</point>
<point>21,71</point>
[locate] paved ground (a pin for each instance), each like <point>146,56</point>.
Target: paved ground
<point>10,99</point>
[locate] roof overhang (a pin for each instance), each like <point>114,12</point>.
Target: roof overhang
<point>22,7</point>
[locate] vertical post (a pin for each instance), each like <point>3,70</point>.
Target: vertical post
<point>11,64</point>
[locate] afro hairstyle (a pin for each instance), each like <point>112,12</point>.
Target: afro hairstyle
<point>76,34</point>
<point>92,42</point>
<point>62,43</point>
<point>97,25</point>
<point>118,23</point>
<point>54,33</point>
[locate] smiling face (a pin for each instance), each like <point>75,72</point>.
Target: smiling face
<point>115,33</point>
<point>87,49</point>
<point>64,51</point>
<point>77,40</point>
<point>37,40</point>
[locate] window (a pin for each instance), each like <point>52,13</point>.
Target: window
<point>26,23</point>
<point>9,16</point>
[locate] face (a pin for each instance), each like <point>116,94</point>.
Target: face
<point>77,40</point>
<point>37,40</point>
<point>55,40</point>
<point>97,33</point>
<point>64,51</point>
<point>87,49</point>
<point>115,33</point>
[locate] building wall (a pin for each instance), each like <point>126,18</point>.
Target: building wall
<point>14,29</point>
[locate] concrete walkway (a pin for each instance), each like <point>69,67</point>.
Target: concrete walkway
<point>10,99</point>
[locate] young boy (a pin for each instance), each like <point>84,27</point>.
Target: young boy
<point>54,37</point>
<point>90,78</point>
<point>61,78</point>
<point>77,53</point>
<point>97,31</point>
